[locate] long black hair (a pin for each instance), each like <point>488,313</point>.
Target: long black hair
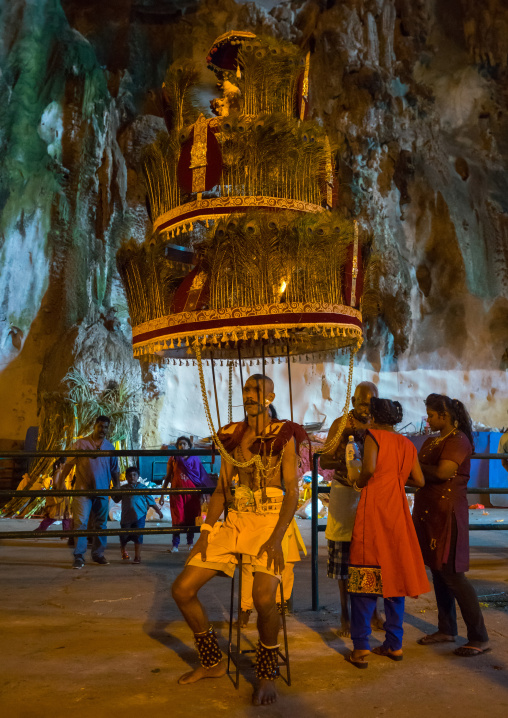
<point>458,412</point>
<point>385,411</point>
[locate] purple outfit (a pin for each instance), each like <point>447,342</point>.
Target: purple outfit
<point>441,518</point>
<point>437,503</point>
<point>194,470</point>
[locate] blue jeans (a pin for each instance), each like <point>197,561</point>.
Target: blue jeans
<point>135,538</point>
<point>84,507</point>
<point>362,610</point>
<point>176,539</point>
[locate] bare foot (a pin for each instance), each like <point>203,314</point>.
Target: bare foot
<point>436,637</point>
<point>468,650</point>
<point>345,630</point>
<point>198,673</point>
<point>265,694</point>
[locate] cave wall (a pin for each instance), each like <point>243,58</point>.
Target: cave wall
<point>413,96</point>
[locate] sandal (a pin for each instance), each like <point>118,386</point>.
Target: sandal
<point>470,651</point>
<point>357,664</point>
<point>137,560</point>
<point>125,556</point>
<point>432,639</point>
<point>384,651</point>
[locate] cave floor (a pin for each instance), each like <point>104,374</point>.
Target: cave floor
<point>108,641</point>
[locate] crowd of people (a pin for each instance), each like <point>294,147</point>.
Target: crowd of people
<point>377,550</point>
<point>103,473</point>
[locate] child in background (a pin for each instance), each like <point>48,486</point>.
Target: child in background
<point>134,510</point>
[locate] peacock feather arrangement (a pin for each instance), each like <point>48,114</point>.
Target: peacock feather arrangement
<point>249,248</point>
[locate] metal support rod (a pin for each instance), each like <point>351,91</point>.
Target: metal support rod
<point>241,375</point>
<point>231,615</point>
<point>104,452</point>
<point>412,490</point>
<point>290,385</point>
<point>238,621</point>
<point>215,389</point>
<point>314,534</point>
<point>59,493</point>
<point>171,530</point>
<point>101,532</point>
<point>263,373</point>
<point>285,655</point>
<point>147,452</point>
<point>263,482</point>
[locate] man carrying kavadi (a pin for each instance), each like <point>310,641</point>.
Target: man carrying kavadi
<point>256,527</point>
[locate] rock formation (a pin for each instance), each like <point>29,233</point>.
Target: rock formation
<point>412,94</point>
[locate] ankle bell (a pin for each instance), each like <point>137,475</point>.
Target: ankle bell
<point>267,659</point>
<point>208,649</point>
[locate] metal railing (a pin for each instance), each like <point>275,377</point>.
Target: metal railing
<point>316,527</point>
<point>148,491</point>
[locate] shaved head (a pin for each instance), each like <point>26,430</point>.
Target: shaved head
<point>269,386</point>
<point>361,400</point>
<point>366,387</point>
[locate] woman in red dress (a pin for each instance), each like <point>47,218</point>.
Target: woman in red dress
<point>385,557</point>
<point>441,520</point>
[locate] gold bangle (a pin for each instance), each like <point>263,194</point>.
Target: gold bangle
<point>356,487</point>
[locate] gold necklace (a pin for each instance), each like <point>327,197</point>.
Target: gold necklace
<point>256,458</point>
<point>442,438</point>
<point>438,440</point>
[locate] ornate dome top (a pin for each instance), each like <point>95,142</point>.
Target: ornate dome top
<point>250,195</point>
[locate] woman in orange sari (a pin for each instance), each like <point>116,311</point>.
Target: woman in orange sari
<point>385,558</point>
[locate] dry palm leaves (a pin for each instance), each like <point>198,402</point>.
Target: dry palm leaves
<point>65,417</point>
<point>150,279</point>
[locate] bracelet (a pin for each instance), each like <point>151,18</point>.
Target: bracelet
<point>206,527</point>
<point>356,487</point>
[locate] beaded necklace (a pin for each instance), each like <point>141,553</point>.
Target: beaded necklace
<point>254,468</point>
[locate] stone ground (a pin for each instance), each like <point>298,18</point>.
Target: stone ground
<point>108,641</point>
